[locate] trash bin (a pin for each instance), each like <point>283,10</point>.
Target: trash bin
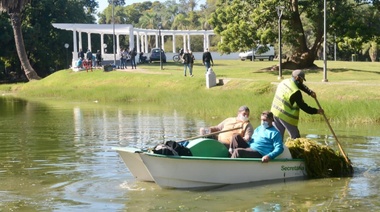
<point>210,78</point>
<point>108,68</point>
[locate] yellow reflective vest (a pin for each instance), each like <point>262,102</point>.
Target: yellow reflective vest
<point>281,106</point>
<point>231,123</point>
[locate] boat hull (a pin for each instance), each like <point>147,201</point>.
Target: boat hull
<point>199,172</point>
<point>131,158</point>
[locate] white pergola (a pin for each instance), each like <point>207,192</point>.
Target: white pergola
<point>138,35</point>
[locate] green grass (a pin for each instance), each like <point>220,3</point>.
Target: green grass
<point>350,96</point>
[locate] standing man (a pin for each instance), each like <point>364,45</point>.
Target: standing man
<point>207,59</point>
<point>98,58</point>
<point>186,58</point>
<point>132,54</point>
<point>288,101</point>
<point>81,54</point>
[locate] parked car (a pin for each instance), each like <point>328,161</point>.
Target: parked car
<point>260,53</point>
<point>155,55</point>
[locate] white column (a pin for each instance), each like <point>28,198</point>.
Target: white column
<point>80,40</point>
<point>146,42</point>
<point>204,42</point>
<point>117,44</point>
<point>184,42</point>
<point>156,40</point>
<point>138,49</point>
<point>208,41</point>
<point>131,38</point>
<point>75,50</point>
<point>142,43</point>
<point>173,43</point>
<point>188,42</point>
<point>162,42</point>
<point>89,41</point>
<point>101,44</point>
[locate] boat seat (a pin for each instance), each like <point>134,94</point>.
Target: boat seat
<point>206,147</point>
<point>285,154</point>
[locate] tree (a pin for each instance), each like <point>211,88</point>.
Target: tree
<point>244,24</point>
<point>14,8</point>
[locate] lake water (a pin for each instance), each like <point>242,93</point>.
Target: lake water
<point>59,157</point>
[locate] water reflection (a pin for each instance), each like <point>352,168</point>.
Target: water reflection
<point>58,157</point>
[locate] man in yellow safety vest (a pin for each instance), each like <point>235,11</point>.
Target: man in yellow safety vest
<point>288,101</point>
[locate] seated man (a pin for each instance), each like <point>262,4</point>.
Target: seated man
<point>79,63</point>
<point>237,129</point>
<point>266,141</point>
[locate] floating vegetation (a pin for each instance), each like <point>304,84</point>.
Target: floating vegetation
<point>320,160</point>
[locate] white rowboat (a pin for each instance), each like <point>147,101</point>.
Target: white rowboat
<point>189,172</point>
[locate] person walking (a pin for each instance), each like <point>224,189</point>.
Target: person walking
<point>132,54</point>
<point>288,101</point>
<point>123,59</point>
<point>207,59</point>
<point>98,58</point>
<point>186,59</point>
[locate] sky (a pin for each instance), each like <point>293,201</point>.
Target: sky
<point>104,3</point>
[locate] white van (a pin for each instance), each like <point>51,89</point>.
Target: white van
<point>269,55</point>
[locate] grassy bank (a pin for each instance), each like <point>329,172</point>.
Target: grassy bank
<point>351,96</point>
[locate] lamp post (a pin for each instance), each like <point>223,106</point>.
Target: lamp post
<point>159,43</point>
<point>324,43</point>
<point>66,47</point>
<point>279,13</point>
<point>113,34</point>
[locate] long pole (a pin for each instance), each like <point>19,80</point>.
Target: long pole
<point>213,133</point>
<point>332,131</point>
<point>160,43</point>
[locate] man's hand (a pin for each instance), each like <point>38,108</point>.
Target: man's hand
<point>265,159</point>
<point>321,111</point>
<point>314,95</point>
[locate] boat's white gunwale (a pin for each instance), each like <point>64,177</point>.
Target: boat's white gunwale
<point>220,158</point>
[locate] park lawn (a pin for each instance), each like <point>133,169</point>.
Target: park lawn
<point>350,96</point>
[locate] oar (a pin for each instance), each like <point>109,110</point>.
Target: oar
<point>332,131</point>
<point>206,135</point>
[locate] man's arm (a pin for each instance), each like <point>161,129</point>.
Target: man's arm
<point>278,146</point>
<point>306,89</point>
<point>297,97</point>
<point>248,133</point>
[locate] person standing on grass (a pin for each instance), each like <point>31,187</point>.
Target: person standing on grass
<point>288,101</point>
<point>207,59</point>
<point>98,58</point>
<point>186,59</point>
<point>132,54</point>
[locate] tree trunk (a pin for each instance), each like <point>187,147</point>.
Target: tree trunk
<point>30,73</point>
<point>302,57</point>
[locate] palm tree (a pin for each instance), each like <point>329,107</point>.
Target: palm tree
<point>14,8</point>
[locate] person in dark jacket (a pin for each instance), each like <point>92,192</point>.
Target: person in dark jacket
<point>187,61</point>
<point>98,58</point>
<point>207,59</point>
<point>288,101</point>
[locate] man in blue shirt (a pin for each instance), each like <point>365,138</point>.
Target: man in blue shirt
<point>266,142</point>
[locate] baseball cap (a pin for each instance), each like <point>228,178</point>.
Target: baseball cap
<point>299,73</point>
